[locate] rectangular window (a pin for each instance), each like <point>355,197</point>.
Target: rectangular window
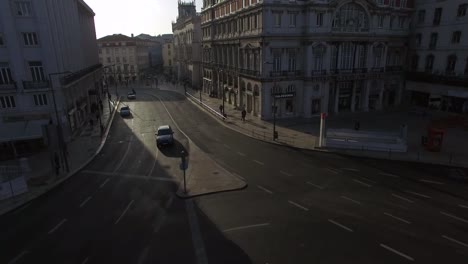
<point>433,42</point>
<point>7,101</point>
<point>392,18</point>
<point>319,21</point>
<point>23,8</point>
<point>117,59</point>
<point>403,3</point>
<point>277,61</point>
<point>107,51</point>
<point>277,19</point>
<point>124,59</point>
<point>401,22</point>
<point>2,42</point>
<point>418,39</point>
<point>421,16</point>
<point>318,58</point>
<point>462,10</point>
<point>456,36</point>
<point>30,39</point>
<point>392,3</point>
<point>292,61</point>
<point>5,73</point>
<point>292,19</point>
<point>437,16</point>
<point>429,63</point>
<point>109,60</point>
<point>347,56</point>
<point>362,57</point>
<point>378,54</point>
<point>40,99</point>
<point>37,71</point>
<point>380,21</point>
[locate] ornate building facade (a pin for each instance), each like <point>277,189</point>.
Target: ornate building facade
<point>305,57</point>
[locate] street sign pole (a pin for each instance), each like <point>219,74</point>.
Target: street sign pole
<point>183,166</point>
<point>322,130</point>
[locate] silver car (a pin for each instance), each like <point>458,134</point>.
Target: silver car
<point>164,136</point>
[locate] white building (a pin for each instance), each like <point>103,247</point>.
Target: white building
<point>438,76</point>
<point>187,44</point>
<point>37,41</point>
<point>305,57</point>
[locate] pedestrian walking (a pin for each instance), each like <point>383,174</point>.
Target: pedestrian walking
<point>244,113</point>
<point>221,109</point>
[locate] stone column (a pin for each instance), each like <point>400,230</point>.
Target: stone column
<point>365,96</point>
<point>337,98</point>
<point>353,97</point>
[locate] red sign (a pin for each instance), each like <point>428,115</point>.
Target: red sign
<point>323,115</point>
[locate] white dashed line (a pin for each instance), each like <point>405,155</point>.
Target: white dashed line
<point>245,227</point>
<point>463,206</point>
<point>351,169</point>
<point>104,183</point>
<point>340,225</point>
<point>362,183</point>
<point>333,171</point>
<point>402,198</point>
<point>389,175</point>
<point>57,226</point>
<point>258,162</point>
<point>398,218</point>
<point>85,201</point>
<point>397,252</point>
<point>17,258</point>
<point>264,189</point>
<point>241,154</point>
<point>418,194</point>
<point>285,173</point>
<point>433,182</point>
<point>456,241</point>
<point>455,217</point>
<point>316,186</point>
<point>154,163</point>
<point>366,179</point>
<point>227,146</point>
<point>349,199</point>
<point>125,154</point>
<point>126,209</point>
<point>298,205</point>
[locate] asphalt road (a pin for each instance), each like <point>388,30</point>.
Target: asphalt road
<point>300,206</point>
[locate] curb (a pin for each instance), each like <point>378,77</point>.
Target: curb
<point>337,152</point>
<point>181,194</point>
<point>70,174</point>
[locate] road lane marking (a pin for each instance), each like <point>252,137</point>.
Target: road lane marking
<point>316,186</point>
<point>57,226</point>
<point>397,252</point>
<point>85,260</point>
<point>154,163</point>
<point>398,218</point>
<point>258,162</point>
<point>418,194</point>
<point>454,217</point>
<point>402,198</point>
<point>197,240</point>
<point>125,211</point>
<point>104,183</point>
<point>463,206</point>
<point>349,199</point>
<point>241,154</point>
<point>125,154</point>
<point>389,175</point>
<point>333,171</point>
<point>351,169</point>
<point>298,205</point>
<point>226,146</point>
<point>362,183</point>
<point>85,201</point>
<point>456,241</point>
<point>285,173</point>
<point>429,181</point>
<point>264,189</point>
<point>17,258</point>
<point>340,225</point>
<point>245,227</point>
<point>367,179</point>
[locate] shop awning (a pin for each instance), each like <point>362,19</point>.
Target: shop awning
<point>26,130</point>
<point>437,89</point>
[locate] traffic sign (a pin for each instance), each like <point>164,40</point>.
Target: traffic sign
<point>183,166</point>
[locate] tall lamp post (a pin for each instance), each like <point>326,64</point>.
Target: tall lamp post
<point>274,108</point>
<point>222,87</point>
<point>59,125</point>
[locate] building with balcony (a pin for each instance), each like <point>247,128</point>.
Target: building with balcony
<point>438,60</point>
<point>187,44</point>
<point>44,53</point>
<point>168,58</point>
<point>305,57</point>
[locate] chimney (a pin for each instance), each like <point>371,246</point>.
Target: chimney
<point>132,35</point>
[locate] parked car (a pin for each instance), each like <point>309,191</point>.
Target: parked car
<point>164,136</point>
<point>124,111</point>
<point>131,95</point>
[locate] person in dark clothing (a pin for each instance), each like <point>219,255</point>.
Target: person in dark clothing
<point>244,113</point>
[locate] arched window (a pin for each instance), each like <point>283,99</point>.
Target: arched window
<point>351,18</point>
<point>318,55</point>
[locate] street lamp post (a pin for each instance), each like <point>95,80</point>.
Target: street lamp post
<point>222,87</point>
<point>274,108</point>
<point>59,125</point>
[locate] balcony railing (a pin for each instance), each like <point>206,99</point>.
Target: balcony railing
<point>394,68</point>
<point>250,72</point>
<point>378,69</point>
<point>8,86</point>
<point>32,85</point>
<point>319,72</point>
<point>427,77</point>
<point>275,73</point>
<point>359,70</point>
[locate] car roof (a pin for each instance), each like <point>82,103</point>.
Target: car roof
<point>165,127</point>
<point>125,107</point>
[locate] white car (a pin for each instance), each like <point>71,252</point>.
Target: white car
<point>131,95</point>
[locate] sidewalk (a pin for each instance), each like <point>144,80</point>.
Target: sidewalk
<point>303,133</point>
<point>41,177</point>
